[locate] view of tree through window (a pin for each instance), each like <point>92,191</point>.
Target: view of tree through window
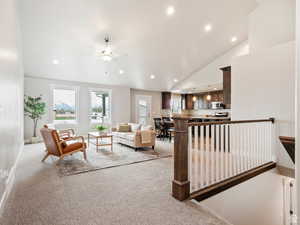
<point>100,106</point>
<point>64,103</point>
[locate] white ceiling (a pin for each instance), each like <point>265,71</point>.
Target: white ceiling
<point>147,40</point>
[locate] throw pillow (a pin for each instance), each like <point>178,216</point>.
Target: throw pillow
<point>135,127</point>
<point>124,128</point>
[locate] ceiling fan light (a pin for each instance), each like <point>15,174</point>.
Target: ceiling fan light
<point>107,54</point>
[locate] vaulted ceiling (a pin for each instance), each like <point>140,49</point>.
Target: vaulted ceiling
<point>60,38</point>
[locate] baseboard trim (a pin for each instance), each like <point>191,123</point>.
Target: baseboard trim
<point>10,181</point>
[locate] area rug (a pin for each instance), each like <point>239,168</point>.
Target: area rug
<point>104,158</point>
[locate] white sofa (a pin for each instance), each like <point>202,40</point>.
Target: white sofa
<point>133,138</point>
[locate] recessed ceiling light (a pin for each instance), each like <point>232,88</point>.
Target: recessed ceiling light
<point>170,10</point>
<point>215,88</point>
<point>152,76</point>
<point>175,80</point>
<point>121,71</point>
<point>207,27</point>
<point>233,39</point>
<point>55,61</point>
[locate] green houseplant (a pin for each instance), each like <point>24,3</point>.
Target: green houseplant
<point>101,128</point>
<point>34,108</point>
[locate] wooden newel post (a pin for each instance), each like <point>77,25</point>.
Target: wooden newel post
<point>181,183</point>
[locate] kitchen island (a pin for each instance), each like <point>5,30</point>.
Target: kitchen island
<point>202,118</point>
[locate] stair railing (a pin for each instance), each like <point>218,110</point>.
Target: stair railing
<point>209,153</point>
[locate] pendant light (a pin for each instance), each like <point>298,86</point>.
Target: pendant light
<point>208,97</point>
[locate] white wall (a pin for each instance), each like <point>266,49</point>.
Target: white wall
<point>263,87</point>
<point>155,106</point>
<point>211,74</point>
<point>271,23</point>
<point>256,201</point>
<point>11,95</point>
<point>120,102</point>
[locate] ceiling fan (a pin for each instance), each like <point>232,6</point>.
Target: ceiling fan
<point>106,54</point>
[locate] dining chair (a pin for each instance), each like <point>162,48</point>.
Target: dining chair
<point>158,127</point>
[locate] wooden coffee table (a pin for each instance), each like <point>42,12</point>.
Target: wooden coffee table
<point>100,139</point>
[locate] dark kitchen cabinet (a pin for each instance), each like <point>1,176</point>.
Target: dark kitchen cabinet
<point>202,100</point>
<point>189,104</point>
<point>227,86</point>
<point>166,100</point>
<point>187,101</point>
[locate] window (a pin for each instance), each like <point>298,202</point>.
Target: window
<point>64,104</point>
<point>142,112</point>
<point>100,107</point>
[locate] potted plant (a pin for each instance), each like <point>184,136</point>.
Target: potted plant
<point>101,128</point>
<point>34,108</point>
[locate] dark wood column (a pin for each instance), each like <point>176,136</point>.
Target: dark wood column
<point>181,183</point>
<point>227,86</point>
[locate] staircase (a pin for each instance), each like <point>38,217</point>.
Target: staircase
<point>289,145</point>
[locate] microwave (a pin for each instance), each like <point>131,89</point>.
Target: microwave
<point>217,105</point>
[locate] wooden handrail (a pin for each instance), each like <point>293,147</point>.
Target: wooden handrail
<point>229,122</point>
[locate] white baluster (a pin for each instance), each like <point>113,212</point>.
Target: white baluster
<point>196,152</point>
<point>217,152</point>
<point>213,155</point>
<point>207,155</point>
<point>233,135</point>
<point>238,155</point>
<point>265,142</point>
<point>190,157</point>
<point>202,156</point>
<point>230,151</point>
<point>253,146</point>
<point>222,152</point>
<point>247,148</point>
<point>261,149</point>
<point>225,152</point>
<point>257,144</point>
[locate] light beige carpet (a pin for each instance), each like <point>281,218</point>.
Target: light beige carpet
<point>137,194</point>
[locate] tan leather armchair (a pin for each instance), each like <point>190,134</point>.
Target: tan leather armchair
<point>60,147</point>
